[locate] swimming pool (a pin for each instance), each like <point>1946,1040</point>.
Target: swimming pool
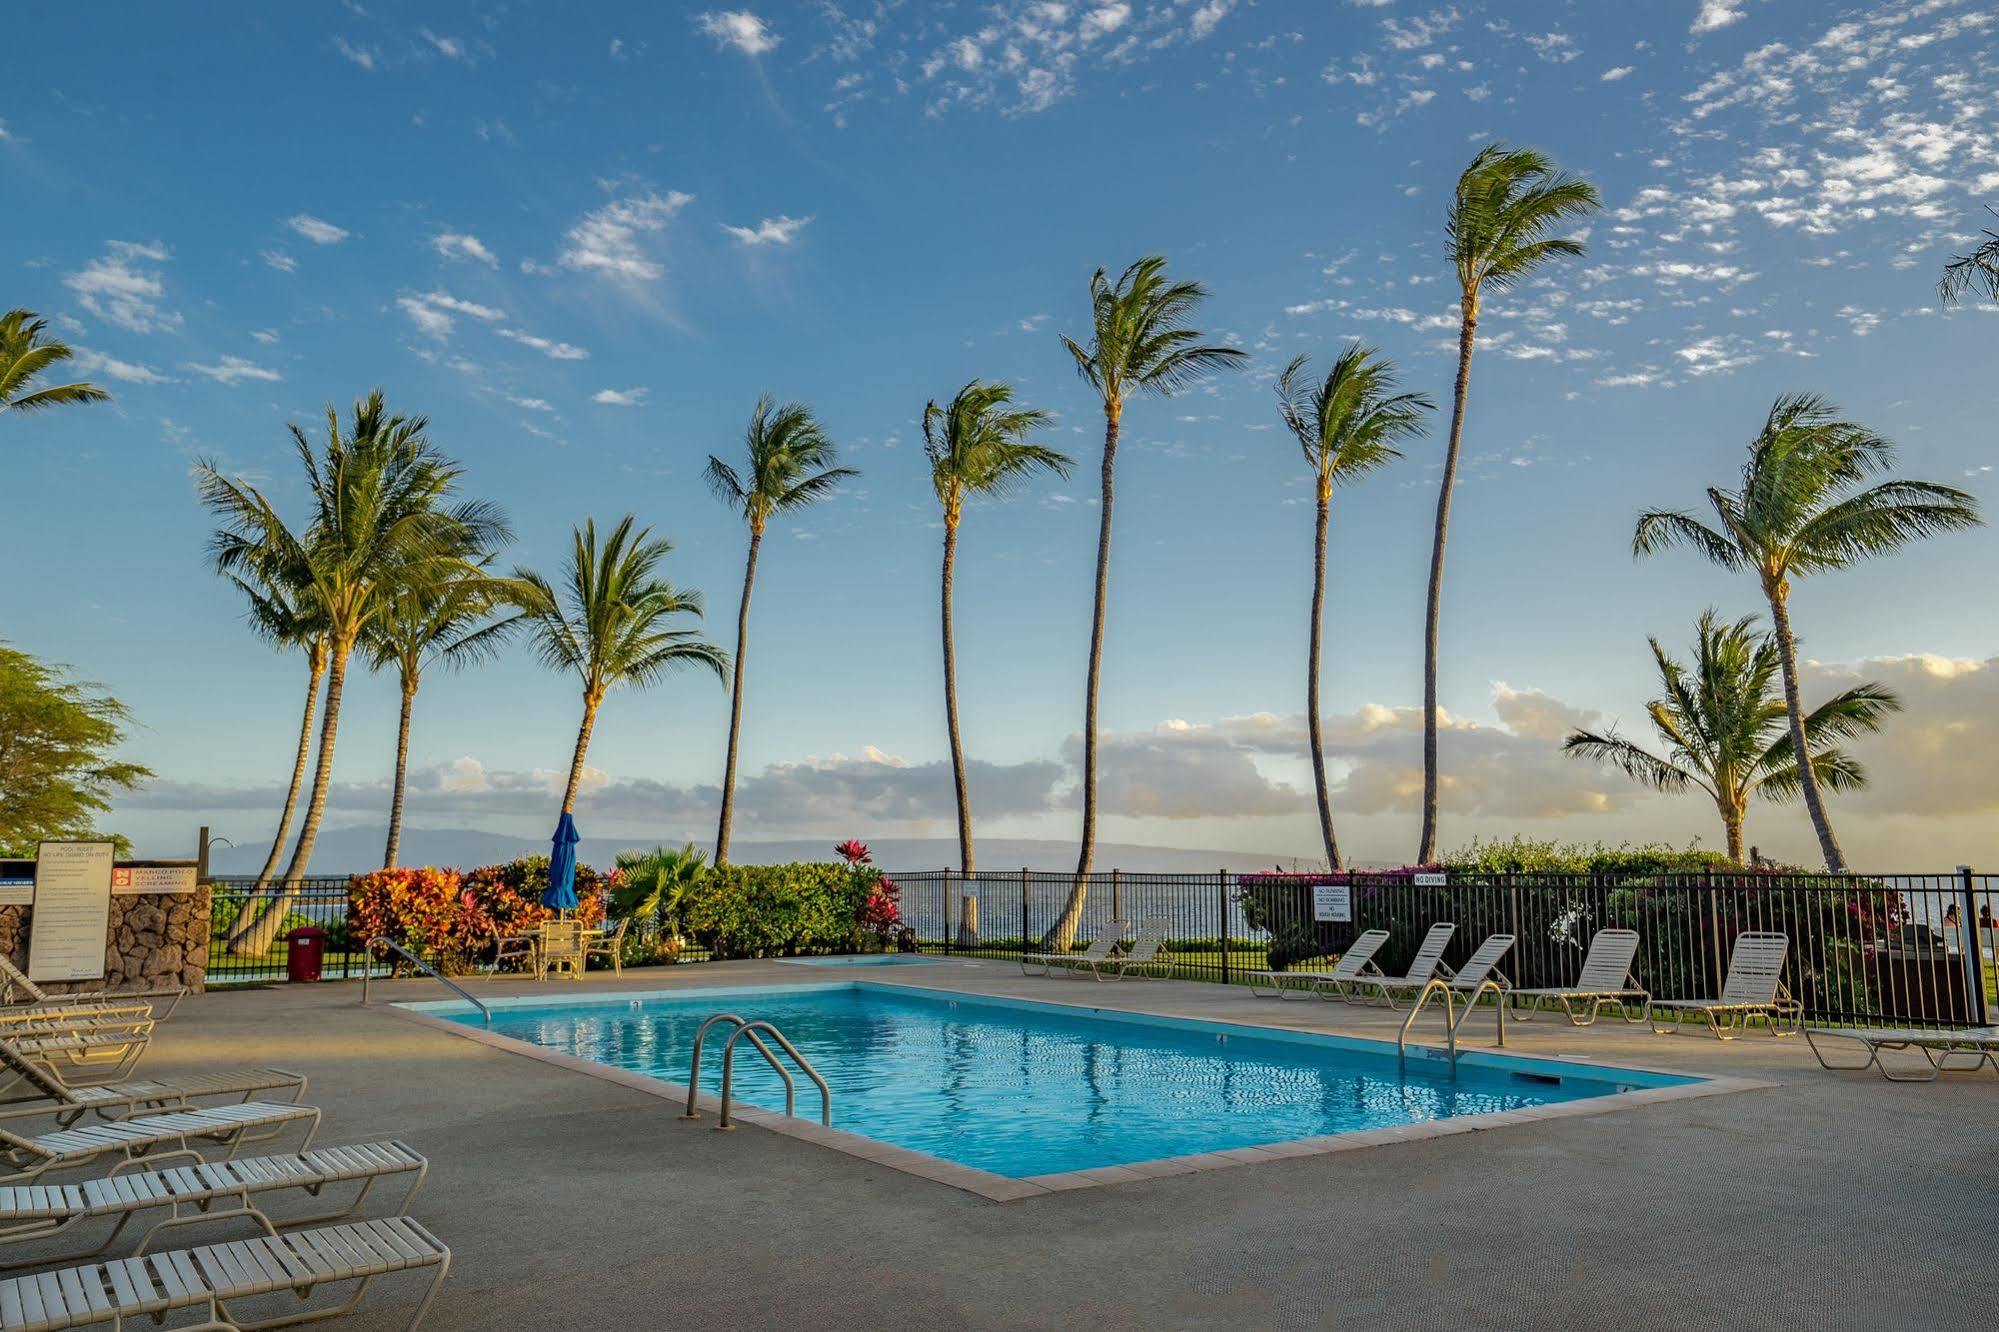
<point>1021,1089</point>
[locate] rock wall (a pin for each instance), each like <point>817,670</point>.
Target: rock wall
<point>156,940</point>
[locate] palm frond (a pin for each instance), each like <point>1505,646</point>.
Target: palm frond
<point>1979,268</point>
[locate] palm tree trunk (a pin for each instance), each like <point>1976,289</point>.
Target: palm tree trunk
<point>1808,781</point>
<point>1063,932</point>
<point>951,706</point>
<point>1426,850</point>
<point>1731,820</point>
<point>315,668</point>
<point>401,779</point>
<point>736,700</point>
<point>256,938</point>
<point>582,748</point>
<point>1312,686</point>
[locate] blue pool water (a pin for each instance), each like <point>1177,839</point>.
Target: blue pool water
<point>1022,1089</point>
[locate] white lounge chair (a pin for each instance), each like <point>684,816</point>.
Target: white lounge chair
<point>84,1058</point>
<point>1753,989</point>
<point>1607,981</point>
<point>14,982</point>
<point>1355,962</point>
<point>1107,937</point>
<point>1479,974</point>
<point>1422,968</point>
<point>197,1194</point>
<point>47,1092</point>
<point>1142,956</point>
<point>212,1276</point>
<point>1937,1045</point>
<point>28,1159</point>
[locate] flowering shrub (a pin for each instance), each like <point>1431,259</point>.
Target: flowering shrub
<point>782,910</point>
<point>454,919</point>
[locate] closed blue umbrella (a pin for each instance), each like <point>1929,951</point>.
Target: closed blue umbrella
<point>561,894</point>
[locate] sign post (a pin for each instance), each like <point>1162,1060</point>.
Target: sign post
<point>72,911</point>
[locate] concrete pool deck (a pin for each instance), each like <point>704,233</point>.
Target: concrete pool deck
<point>1819,1199</point>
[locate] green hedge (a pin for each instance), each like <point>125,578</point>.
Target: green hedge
<point>783,910</point>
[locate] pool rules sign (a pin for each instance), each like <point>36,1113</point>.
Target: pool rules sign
<point>72,915</point>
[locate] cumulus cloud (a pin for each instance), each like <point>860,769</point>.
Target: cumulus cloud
<point>1932,760</point>
<point>1205,19</point>
<point>458,245</point>
<point>1714,14</point>
<point>96,365</point>
<point>631,397</point>
<point>317,231</point>
<point>118,287</point>
<point>432,312</point>
<point>738,28</point>
<point>780,230</point>
<point>232,370</point>
<point>608,239</point>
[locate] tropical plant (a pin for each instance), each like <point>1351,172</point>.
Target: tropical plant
<point>1498,231</point>
<point>789,463</point>
<point>979,446</point>
<point>611,622</point>
<point>26,355</point>
<point>652,885</point>
<point>1140,342</point>
<point>1724,727</point>
<point>454,919</point>
<point>1802,509</point>
<point>57,773</point>
<point>1347,425</point>
<point>381,515</point>
<point>1979,268</point>
<point>782,910</point>
<point>447,621</point>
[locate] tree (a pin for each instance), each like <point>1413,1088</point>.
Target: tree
<point>610,623</point>
<point>1726,730</point>
<point>789,464</point>
<point>1801,510</point>
<point>381,515</point>
<point>1508,202</point>
<point>1140,342</point>
<point>1347,425</point>
<point>25,355</point>
<point>57,735</point>
<point>979,445</point>
<point>448,621</point>
<point>1979,268</point>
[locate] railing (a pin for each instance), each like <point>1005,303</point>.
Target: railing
<point>1901,949</point>
<point>320,901</point>
<point>744,1027</point>
<point>428,970</point>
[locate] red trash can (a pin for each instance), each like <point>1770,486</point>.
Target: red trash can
<point>305,953</point>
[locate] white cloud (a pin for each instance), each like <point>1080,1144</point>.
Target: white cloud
<point>232,370</point>
<point>116,287</point>
<point>1203,23</point>
<point>1413,34</point>
<point>738,28</point>
<point>267,336</point>
<point>451,48</point>
<point>1104,20</point>
<point>631,397</point>
<point>531,404</point>
<point>458,245</point>
<point>555,351</point>
<point>432,312</point>
<point>279,260</point>
<point>96,365</point>
<point>1617,72</point>
<point>607,239</point>
<point>315,230</point>
<point>780,230</point>
<point>364,56</point>
<point>1716,14</point>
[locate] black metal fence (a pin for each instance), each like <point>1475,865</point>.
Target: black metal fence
<point>318,901</point>
<point>1898,948</point>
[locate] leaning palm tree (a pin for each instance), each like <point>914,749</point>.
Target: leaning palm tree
<point>790,464</point>
<point>1979,268</point>
<point>1508,202</point>
<point>1139,343</point>
<point>1725,727</point>
<point>1347,425</point>
<point>979,445</point>
<point>25,355</point>
<point>1802,510</point>
<point>448,620</point>
<point>381,515</point>
<point>611,623</point>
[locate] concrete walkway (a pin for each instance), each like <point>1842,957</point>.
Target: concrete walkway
<point>1825,1200</point>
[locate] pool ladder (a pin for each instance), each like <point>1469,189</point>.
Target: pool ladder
<point>746,1028</point>
<point>1452,1018</point>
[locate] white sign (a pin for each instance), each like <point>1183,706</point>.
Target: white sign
<point>72,911</point>
<point>1332,901</point>
<point>1433,879</point>
<point>131,880</point>
<point>17,889</point>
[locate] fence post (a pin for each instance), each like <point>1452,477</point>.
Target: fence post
<point>1117,894</point>
<point>1714,932</point>
<point>949,897</point>
<point>1024,945</point>
<point>1222,897</point>
<point>1974,957</point>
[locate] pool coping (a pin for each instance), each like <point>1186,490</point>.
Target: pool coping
<point>1003,1188</point>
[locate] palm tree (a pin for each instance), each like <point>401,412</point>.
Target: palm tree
<point>653,884</point>
<point>1497,232</point>
<point>977,446</point>
<point>1725,726</point>
<point>382,515</point>
<point>610,623</point>
<point>1347,425</point>
<point>790,464</point>
<point>1139,343</point>
<point>442,621</point>
<point>24,356</point>
<point>1979,268</point>
<point>1801,510</point>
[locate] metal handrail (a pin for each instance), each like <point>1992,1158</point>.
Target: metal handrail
<point>750,1029</point>
<point>694,1066</point>
<point>1452,1019</point>
<point>424,967</point>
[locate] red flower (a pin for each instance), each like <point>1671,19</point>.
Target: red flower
<point>854,852</point>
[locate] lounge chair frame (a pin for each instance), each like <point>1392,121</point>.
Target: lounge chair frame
<point>149,1139</point>
<point>55,1097</point>
<point>1356,962</point>
<point>1141,956</point>
<point>1607,981</point>
<point>1937,1046</point>
<point>1423,967</point>
<point>13,980</point>
<point>1753,991</point>
<point>1108,936</point>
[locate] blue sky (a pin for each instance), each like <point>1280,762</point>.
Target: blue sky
<point>582,239</point>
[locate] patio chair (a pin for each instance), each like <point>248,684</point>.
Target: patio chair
<point>84,1058</point>
<point>1753,989</point>
<point>1607,981</point>
<point>1108,936</point>
<point>522,948</point>
<point>1143,955</point>
<point>210,1277</point>
<point>136,1139</point>
<point>609,945</point>
<point>197,1194</point>
<point>1938,1046</point>
<point>14,982</point>
<point>1354,963</point>
<point>560,949</point>
<point>1423,966</point>
<point>49,1093</point>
